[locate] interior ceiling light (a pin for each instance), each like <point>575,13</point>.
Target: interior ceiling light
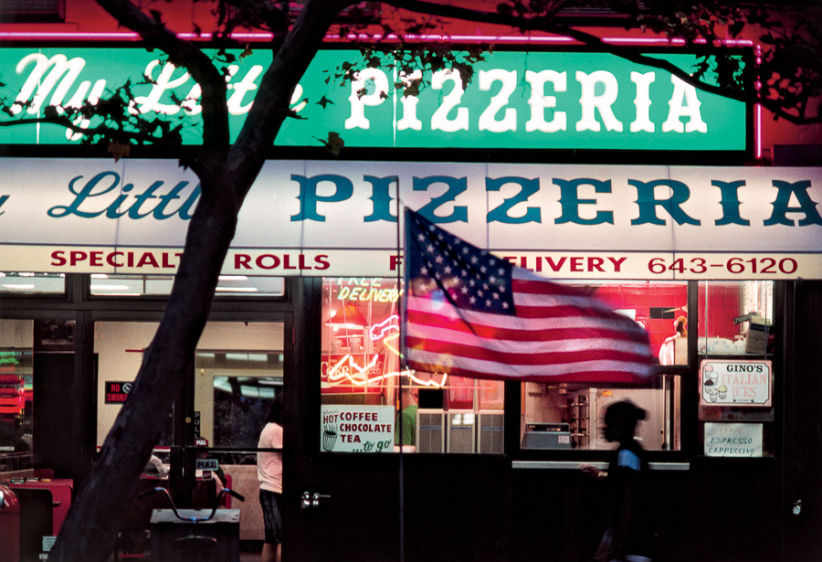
<point>108,287</point>
<point>346,316</point>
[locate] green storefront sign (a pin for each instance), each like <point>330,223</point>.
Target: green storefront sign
<point>516,99</point>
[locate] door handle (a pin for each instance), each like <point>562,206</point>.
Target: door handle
<point>311,500</point>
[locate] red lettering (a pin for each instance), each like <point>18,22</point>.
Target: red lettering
<point>322,262</point>
<point>576,263</point>
<point>241,261</point>
<point>617,263</point>
<point>57,258</point>
<point>595,264</point>
<point>167,260</point>
<point>287,262</point>
<point>395,261</point>
<point>112,261</point>
<point>304,265</point>
<point>96,258</point>
<point>267,261</point>
<point>148,258</point>
<point>77,256</point>
<point>555,266</point>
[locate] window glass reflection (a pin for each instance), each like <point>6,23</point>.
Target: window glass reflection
<point>569,415</point>
<point>370,404</point>
<point>735,317</point>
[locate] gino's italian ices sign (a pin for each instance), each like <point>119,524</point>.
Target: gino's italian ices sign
<point>341,218</point>
<point>538,100</point>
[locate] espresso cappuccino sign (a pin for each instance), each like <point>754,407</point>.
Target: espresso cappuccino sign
<point>516,99</point>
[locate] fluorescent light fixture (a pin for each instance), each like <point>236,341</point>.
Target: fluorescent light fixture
<point>109,287</point>
<point>236,289</point>
<point>233,278</point>
<point>26,274</point>
<point>18,286</point>
<point>99,275</point>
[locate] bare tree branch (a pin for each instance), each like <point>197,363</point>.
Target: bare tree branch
<point>549,24</point>
<point>182,53</point>
<point>277,85</point>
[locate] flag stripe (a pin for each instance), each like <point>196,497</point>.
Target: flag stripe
<point>432,362</point>
<point>533,347</point>
<point>468,313</point>
<point>428,306</point>
<point>422,318</point>
<point>576,351</point>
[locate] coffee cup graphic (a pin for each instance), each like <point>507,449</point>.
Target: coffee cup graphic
<point>329,437</point>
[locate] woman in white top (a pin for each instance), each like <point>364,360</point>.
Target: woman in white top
<point>270,476</point>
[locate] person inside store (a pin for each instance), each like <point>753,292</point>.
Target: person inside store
<point>674,350</point>
<point>270,477</point>
<point>629,536</point>
<point>405,430</point>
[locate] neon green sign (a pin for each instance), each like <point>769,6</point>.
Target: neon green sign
<point>516,99</point>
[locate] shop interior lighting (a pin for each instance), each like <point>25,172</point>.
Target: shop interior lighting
<point>224,289</point>
<point>337,374</point>
<point>19,286</point>
<point>107,287</point>
<point>382,329</point>
<point>347,316</point>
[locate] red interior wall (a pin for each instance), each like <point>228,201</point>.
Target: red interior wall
<point>724,304</point>
<point>642,297</point>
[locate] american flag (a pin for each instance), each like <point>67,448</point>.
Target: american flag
<point>470,313</point>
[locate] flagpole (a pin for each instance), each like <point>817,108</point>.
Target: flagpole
<point>401,303</point>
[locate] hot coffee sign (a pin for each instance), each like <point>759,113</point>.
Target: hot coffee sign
<point>536,100</point>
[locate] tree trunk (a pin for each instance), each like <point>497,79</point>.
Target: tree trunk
<point>89,531</point>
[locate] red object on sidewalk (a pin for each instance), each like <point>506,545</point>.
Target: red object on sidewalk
<point>60,489</point>
<point>9,525</point>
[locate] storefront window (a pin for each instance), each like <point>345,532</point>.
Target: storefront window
<point>371,404</point>
<point>569,415</point>
<point>736,374</point>
<point>736,317</point>
<point>238,371</point>
<point>27,283</point>
<point>233,392</point>
<point>103,284</point>
<point>16,396</point>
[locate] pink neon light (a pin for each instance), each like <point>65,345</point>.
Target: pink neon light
<point>758,108</point>
<point>130,36</point>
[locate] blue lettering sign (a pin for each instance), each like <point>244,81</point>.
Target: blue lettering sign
<point>381,198</point>
<point>570,201</point>
<point>730,202</point>
<point>527,188</point>
<point>86,192</point>
<point>308,194</point>
<point>647,202</point>
<point>781,209</point>
<point>455,187</point>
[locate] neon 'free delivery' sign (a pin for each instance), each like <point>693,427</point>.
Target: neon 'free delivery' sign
<point>516,99</point>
